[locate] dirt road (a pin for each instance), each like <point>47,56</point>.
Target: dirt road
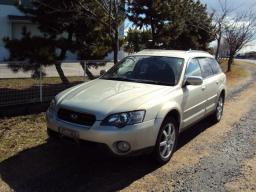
<point>209,157</point>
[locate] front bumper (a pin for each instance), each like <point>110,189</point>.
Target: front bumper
<point>139,136</point>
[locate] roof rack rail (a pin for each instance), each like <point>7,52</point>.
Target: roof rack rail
<point>191,51</point>
<point>153,50</point>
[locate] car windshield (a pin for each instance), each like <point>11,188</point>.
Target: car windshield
<point>160,70</point>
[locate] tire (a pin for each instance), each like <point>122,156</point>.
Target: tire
<point>166,141</point>
<point>217,115</point>
<point>51,134</point>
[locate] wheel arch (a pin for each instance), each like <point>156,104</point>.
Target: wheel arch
<point>223,93</point>
<point>175,114</point>
<point>169,110</point>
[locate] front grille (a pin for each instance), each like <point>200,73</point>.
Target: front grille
<point>76,117</point>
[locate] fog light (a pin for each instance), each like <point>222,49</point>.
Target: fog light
<point>123,146</point>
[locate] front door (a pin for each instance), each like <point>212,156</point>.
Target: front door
<point>194,97</point>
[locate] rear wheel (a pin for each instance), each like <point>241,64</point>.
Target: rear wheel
<point>219,109</point>
<point>166,140</point>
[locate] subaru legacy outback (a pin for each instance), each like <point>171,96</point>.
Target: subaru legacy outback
<point>143,102</point>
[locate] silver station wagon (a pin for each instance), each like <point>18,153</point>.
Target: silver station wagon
<point>143,102</point>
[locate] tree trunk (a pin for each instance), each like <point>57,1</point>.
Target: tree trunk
<point>152,25</point>
<point>153,33</point>
<point>230,62</point>
<point>218,46</point>
<point>87,71</point>
<point>61,73</point>
<point>62,76</point>
<point>61,57</point>
<point>116,31</point>
<point>116,46</point>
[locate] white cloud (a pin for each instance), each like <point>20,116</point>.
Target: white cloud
<point>250,47</point>
<point>237,5</point>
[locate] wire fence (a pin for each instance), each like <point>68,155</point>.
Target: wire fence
<point>24,83</point>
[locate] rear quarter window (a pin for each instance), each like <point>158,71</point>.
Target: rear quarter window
<point>215,66</point>
<point>206,68</point>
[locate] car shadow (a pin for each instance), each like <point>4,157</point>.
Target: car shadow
<point>61,165</point>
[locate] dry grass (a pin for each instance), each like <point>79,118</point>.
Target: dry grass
<point>20,133</point>
<point>23,83</point>
<point>239,73</point>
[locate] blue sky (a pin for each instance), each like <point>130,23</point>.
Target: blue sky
<point>238,6</point>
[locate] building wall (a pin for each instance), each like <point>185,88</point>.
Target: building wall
<point>5,29</point>
<point>13,29</point>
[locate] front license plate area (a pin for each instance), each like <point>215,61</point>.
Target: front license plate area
<point>69,133</point>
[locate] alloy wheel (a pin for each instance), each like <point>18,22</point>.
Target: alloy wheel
<point>167,140</point>
<point>219,111</point>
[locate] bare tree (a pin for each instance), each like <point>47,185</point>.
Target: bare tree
<point>238,32</point>
<point>220,19</point>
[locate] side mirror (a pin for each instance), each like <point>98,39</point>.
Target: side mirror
<point>102,72</point>
<point>193,80</point>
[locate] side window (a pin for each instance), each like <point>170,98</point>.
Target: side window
<point>215,66</point>
<point>205,67</point>
<point>193,68</point>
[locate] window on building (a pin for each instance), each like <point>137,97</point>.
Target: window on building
<point>15,2</point>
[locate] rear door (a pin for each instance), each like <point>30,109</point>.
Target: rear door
<point>210,83</point>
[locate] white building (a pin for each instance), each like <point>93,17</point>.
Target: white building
<point>12,22</point>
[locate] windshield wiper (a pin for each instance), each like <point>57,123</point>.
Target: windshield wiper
<point>139,80</point>
<point>118,78</point>
<point>154,82</point>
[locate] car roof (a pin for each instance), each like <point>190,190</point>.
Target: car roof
<point>174,53</point>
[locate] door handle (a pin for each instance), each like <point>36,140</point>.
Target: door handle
<point>217,82</point>
<point>203,87</point>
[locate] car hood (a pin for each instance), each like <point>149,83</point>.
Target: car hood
<point>103,97</point>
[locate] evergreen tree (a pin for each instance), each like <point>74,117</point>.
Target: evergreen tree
<point>66,27</point>
<point>137,40</point>
<point>109,14</point>
<point>35,51</point>
<point>174,24</point>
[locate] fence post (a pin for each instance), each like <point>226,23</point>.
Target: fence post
<point>40,84</point>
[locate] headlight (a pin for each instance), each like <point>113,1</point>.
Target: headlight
<point>122,119</point>
<point>52,105</point>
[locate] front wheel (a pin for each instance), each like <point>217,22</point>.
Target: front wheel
<point>166,140</point>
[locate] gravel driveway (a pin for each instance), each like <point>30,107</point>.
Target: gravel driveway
<point>220,157</point>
